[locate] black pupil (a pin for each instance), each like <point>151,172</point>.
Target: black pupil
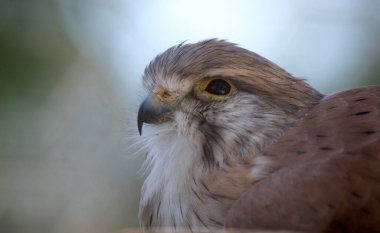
<point>218,87</point>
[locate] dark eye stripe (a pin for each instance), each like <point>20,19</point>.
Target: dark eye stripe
<point>218,87</point>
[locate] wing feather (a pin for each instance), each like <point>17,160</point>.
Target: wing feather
<point>328,178</point>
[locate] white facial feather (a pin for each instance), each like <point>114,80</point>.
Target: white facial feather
<point>171,157</point>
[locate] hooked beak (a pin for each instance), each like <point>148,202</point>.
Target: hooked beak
<point>152,111</point>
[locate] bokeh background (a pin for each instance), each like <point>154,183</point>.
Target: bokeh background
<point>70,85</point>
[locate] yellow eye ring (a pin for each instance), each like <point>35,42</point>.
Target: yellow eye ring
<point>215,88</point>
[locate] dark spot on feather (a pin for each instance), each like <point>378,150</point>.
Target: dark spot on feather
<point>313,209</point>
<point>362,113</point>
<point>326,148</point>
<point>340,226</point>
<point>355,194</point>
<point>300,152</point>
<point>258,116</point>
<point>365,211</point>
<point>369,132</point>
<point>361,99</point>
<point>321,135</point>
<point>331,206</point>
<point>332,107</point>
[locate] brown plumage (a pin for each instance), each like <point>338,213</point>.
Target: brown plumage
<point>328,177</point>
<point>235,141</point>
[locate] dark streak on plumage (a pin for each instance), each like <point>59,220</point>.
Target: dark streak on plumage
<point>362,113</point>
<point>369,132</point>
<point>158,209</point>
<point>341,227</point>
<point>215,139</point>
<point>327,148</point>
<point>313,209</point>
<point>355,194</point>
<point>199,219</point>
<point>365,211</point>
<point>197,195</point>
<point>211,196</point>
<point>180,208</point>
<point>226,162</point>
<point>331,206</point>
<point>205,186</point>
<point>189,226</point>
<point>151,220</point>
<point>332,107</point>
<point>174,224</point>
<point>222,196</point>
<point>195,182</point>
<point>360,99</point>
<point>216,222</point>
<point>207,154</point>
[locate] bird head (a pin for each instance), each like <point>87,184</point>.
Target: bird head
<point>211,108</point>
<point>226,99</point>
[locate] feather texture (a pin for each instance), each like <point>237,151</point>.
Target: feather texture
<point>277,151</point>
<point>328,175</point>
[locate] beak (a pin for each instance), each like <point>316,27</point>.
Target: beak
<point>152,111</point>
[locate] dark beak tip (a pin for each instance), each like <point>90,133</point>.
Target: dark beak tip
<point>139,126</point>
<point>151,111</point>
<point>140,121</point>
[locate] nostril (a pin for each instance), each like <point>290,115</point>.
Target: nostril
<point>166,94</point>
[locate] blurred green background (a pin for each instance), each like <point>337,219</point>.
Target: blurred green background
<point>70,75</point>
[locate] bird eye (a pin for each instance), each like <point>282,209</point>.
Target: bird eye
<point>218,87</point>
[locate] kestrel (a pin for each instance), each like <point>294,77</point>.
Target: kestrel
<point>235,141</point>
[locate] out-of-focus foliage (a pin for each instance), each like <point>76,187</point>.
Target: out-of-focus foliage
<point>34,49</point>
<point>65,161</point>
<point>69,80</point>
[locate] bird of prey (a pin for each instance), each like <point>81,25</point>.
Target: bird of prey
<point>235,141</point>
